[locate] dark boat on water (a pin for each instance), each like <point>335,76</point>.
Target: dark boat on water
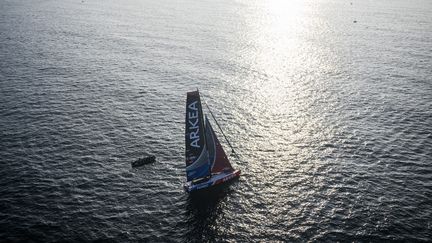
<point>144,161</point>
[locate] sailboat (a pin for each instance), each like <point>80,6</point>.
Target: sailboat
<point>207,164</point>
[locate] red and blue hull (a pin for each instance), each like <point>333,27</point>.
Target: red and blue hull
<point>215,180</point>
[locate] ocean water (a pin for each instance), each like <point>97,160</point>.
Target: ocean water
<point>327,102</point>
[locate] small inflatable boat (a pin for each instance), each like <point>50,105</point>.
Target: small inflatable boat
<point>144,161</point>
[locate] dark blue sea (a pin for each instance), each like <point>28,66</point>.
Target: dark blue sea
<point>328,104</point>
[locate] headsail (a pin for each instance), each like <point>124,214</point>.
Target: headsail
<point>197,157</point>
<point>218,159</point>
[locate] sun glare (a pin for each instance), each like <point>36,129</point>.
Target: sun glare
<point>279,28</point>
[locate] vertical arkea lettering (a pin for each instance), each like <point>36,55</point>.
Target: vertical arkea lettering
<point>193,121</point>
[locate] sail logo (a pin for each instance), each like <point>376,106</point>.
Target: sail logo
<point>193,124</point>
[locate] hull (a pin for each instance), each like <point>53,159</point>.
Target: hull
<point>214,181</point>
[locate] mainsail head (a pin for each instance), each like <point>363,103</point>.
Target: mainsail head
<point>197,158</point>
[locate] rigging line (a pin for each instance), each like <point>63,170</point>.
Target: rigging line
<point>239,158</point>
<point>220,128</point>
